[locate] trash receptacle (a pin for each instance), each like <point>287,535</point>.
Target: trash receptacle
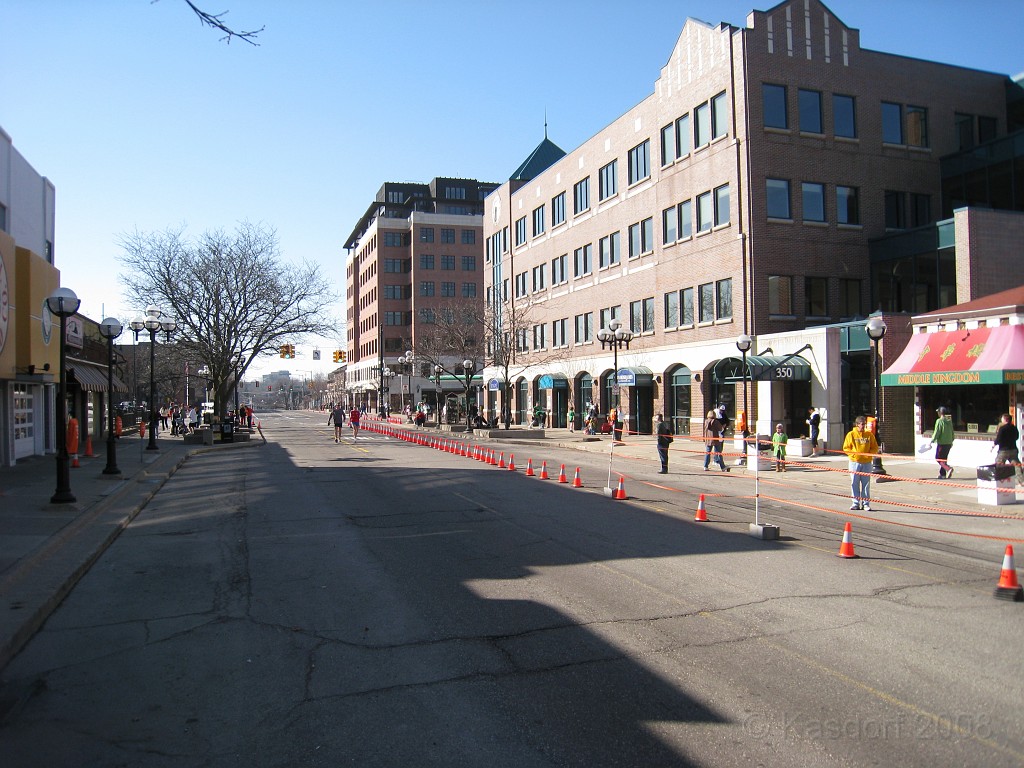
<point>995,484</point>
<point>227,432</point>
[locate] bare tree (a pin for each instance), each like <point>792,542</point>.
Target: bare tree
<point>233,298</point>
<point>216,21</point>
<point>456,335</point>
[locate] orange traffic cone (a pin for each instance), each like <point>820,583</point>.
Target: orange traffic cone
<point>620,492</point>
<point>529,468</point>
<point>561,475</point>
<point>544,470</point>
<point>88,447</point>
<point>702,515</point>
<point>1008,588</point>
<point>846,548</point>
<point>501,461</point>
<point>511,462</point>
<point>576,482</point>
<point>74,461</point>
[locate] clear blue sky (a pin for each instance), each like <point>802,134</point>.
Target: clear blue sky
<point>143,119</point>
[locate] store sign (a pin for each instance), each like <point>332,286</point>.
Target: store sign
<point>625,378</point>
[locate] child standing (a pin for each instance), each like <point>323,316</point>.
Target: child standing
<point>779,440</point>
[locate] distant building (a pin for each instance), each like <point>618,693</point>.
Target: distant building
<point>418,247</point>
<point>763,188</point>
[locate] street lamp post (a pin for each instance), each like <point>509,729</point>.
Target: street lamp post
<point>468,368</point>
<point>876,328</point>
<point>110,329</point>
<point>386,376</point>
<point>404,365</point>
<point>615,336</point>
<point>63,303</point>
<point>153,323</point>
<point>438,370</point>
<point>743,344</point>
<point>137,325</point>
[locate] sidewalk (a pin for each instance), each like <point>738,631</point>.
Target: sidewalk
<point>45,548</point>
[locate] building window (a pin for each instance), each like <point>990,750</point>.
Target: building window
<point>559,336</point>
<point>705,212</point>
<point>849,297</point>
<point>538,278</point>
<point>719,116</point>
<point>455,193</point>
<point>607,184</point>
<point>520,287</point>
<point>844,116</point>
<point>608,314</point>
<point>780,295</point>
<point>892,123</point>
<point>396,266</point>
<point>558,209</point>
<point>581,196</point>
<point>521,230</point>
<point>608,250</point>
<point>538,221</point>
<point>447,262</point>
<point>683,136</point>
<point>685,219</point>
<point>895,210</point>
<point>641,238</point>
<point>672,309</point>
<point>426,288</point>
<point>469,263</point>
<point>702,125</point>
<point>816,296</point>
<point>469,290</point>
<point>778,199</point>
<point>707,302</point>
<point>669,225</point>
<point>447,235</point>
<point>640,162</point>
<point>774,100</point>
<point>584,328</point>
<point>540,340</point>
<point>686,307</point>
<point>448,289</point>
<point>426,261</point>
<point>469,237</point>
<point>394,239</point>
<point>521,345</point>
<point>813,201</point>
<point>397,318</point>
<point>847,205</point>
<point>426,234</point>
<point>809,103</point>
<point>583,260</point>
<point>920,210</point>
<point>426,316</point>
<point>668,144</point>
<point>917,126</point>
<point>723,299</point>
<point>559,272</point>
<point>721,205</point>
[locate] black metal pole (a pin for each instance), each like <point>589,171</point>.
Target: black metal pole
<point>111,468</point>
<point>63,494</point>
<point>152,446</point>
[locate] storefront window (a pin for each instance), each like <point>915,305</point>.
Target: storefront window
<point>975,408</point>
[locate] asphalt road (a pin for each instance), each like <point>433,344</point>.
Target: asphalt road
<point>378,603</point>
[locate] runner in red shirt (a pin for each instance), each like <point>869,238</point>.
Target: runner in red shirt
<point>354,420</point>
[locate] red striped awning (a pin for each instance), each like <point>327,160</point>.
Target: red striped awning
<point>979,356</point>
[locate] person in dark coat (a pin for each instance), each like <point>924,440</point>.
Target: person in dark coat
<point>664,432</point>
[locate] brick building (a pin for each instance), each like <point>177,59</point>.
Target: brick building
<point>741,197</point>
<point>416,249</point>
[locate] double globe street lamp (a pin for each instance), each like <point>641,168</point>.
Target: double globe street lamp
<point>743,344</point>
<point>63,303</point>
<point>110,329</point>
<point>615,336</point>
<point>152,323</point>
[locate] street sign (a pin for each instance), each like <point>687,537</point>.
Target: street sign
<point>625,377</point>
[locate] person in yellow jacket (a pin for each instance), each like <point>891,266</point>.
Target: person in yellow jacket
<point>860,445</point>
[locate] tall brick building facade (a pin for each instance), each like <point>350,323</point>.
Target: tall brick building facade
<point>738,198</point>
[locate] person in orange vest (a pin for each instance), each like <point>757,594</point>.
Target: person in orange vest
<point>72,436</point>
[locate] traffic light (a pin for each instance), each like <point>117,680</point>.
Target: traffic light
<point>291,351</point>
<point>270,388</point>
<point>343,357</point>
<point>284,350</point>
<point>337,356</point>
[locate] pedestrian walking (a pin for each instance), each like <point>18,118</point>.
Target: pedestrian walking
<point>664,432</point>
<point>338,417</point>
<point>861,446</point>
<point>814,423</point>
<point>713,441</point>
<point>942,439</point>
<point>1006,446</point>
<point>779,441</point>
<point>571,418</point>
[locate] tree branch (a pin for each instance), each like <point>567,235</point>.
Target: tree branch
<point>216,21</point>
